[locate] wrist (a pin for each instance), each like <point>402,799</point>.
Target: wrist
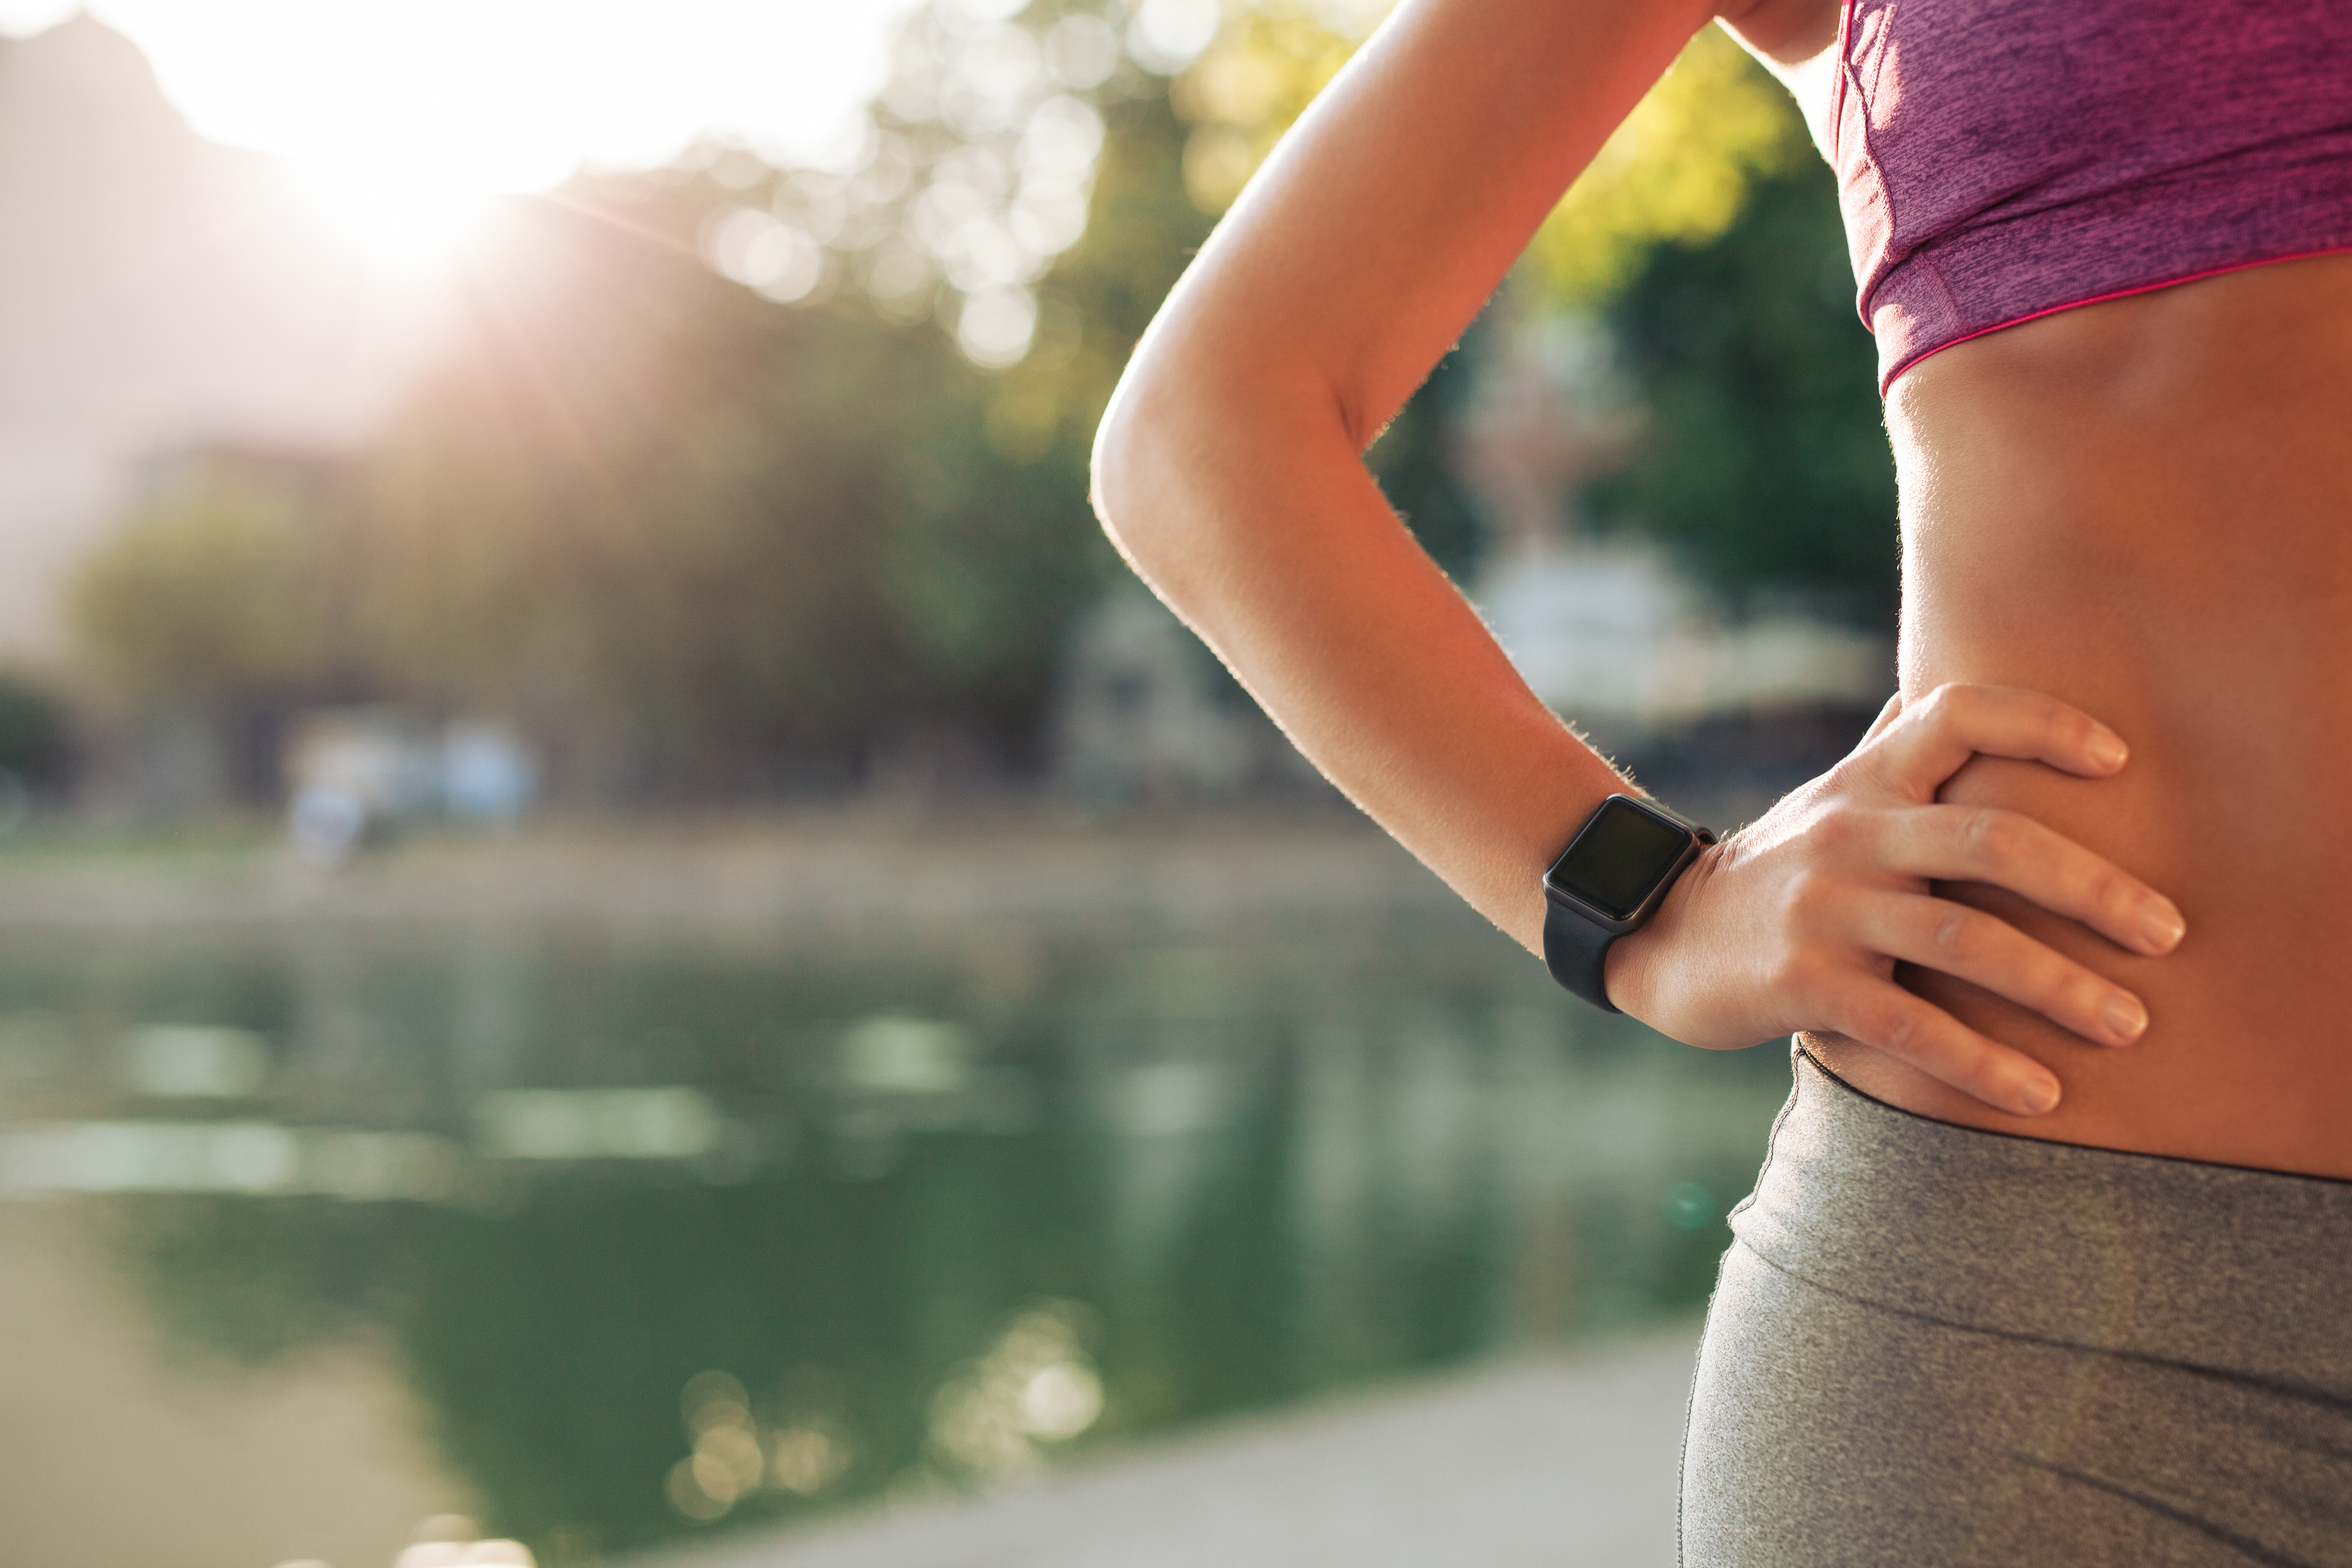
<point>1629,968</point>
<point>1614,875</point>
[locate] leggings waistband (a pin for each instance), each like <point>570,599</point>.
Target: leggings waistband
<point>2246,1272</point>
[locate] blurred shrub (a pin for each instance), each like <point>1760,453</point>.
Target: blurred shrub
<point>1678,172</point>
<point>1258,77</point>
<point>35,745</point>
<point>653,504</point>
<point>1766,461</point>
<point>208,591</point>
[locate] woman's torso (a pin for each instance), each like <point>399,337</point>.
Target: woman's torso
<point>2143,507</point>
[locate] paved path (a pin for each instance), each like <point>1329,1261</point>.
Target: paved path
<point>1558,1463</point>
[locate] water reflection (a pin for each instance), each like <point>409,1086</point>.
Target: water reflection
<point>662,1235</point>
<point>451,1540</point>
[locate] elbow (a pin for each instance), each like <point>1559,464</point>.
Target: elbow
<point>1195,443</point>
<point>1133,480</point>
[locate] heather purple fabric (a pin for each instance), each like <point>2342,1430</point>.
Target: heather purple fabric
<point>2002,159</point>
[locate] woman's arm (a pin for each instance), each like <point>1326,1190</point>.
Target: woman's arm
<point>1228,469</point>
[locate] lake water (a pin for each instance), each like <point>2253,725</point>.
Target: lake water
<point>311,1230</point>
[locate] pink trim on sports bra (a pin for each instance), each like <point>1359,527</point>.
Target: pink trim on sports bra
<point>1888,381</point>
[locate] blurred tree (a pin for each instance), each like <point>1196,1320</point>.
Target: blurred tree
<point>745,541</point>
<point>765,525</point>
<point>223,599</point>
<point>36,743</point>
<point>1258,77</point>
<point>1767,461</point>
<point>1677,172</point>
<point>210,591</point>
<point>644,509</point>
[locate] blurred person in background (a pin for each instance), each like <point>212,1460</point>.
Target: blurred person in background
<point>2047,1262</point>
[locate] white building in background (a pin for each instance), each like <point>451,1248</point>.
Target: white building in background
<point>1138,716</point>
<point>1608,632</point>
<point>1612,635</point>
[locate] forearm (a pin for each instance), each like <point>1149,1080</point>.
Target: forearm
<point>1262,528</point>
<point>1230,465</point>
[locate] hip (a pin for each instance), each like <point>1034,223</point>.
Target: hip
<point>1934,1344</point>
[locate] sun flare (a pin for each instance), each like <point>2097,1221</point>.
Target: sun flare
<point>401,220</point>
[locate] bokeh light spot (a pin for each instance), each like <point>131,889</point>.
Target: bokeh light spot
<point>1689,1207</point>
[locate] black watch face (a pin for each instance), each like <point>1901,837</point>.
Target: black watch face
<point>1619,857</point>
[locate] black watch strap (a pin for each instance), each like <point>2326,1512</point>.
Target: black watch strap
<point>1576,951</point>
<point>1608,882</point>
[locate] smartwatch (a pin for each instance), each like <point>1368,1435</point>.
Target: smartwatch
<point>1610,879</point>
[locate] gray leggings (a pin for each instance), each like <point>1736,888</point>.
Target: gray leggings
<point>1931,1346</point>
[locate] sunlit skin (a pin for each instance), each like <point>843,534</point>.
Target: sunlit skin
<point>2125,581</point>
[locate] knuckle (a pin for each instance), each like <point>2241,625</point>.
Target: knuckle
<point>2078,993</point>
<point>2049,984</point>
<point>1942,705</point>
<point>2052,986</point>
<point>1808,900</point>
<point>2086,892</point>
<point>1988,837</point>
<point>1957,933</point>
<point>1838,833</point>
<point>2103,886</point>
<point>1899,1027</point>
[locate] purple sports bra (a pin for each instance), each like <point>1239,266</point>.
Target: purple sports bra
<point>1998,159</point>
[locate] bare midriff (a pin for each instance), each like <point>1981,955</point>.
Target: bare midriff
<point>2144,507</point>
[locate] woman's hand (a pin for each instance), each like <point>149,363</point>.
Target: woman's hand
<point>1798,921</point>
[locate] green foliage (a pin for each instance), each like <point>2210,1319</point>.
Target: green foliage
<point>1767,460</point>
<point>653,513</point>
<point>1678,172</point>
<point>653,504</point>
<point>1414,468</point>
<point>1258,77</point>
<point>749,538</point>
<point>1142,232</point>
<point>35,743</point>
<point>210,591</point>
<point>659,506</point>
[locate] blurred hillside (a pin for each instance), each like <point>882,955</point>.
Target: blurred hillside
<point>158,292</point>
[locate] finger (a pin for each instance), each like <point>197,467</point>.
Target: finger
<point>1883,1015</point>
<point>1988,952</point>
<point>2009,849</point>
<point>1887,715</point>
<point>1936,735</point>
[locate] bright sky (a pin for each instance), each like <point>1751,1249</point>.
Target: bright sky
<point>468,96</point>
